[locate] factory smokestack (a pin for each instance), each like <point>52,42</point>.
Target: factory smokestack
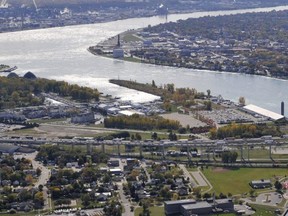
<point>282,108</point>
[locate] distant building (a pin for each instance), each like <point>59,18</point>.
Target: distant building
<point>8,149</point>
<point>115,171</point>
<point>113,163</point>
<point>263,112</point>
<point>263,183</point>
<point>118,53</point>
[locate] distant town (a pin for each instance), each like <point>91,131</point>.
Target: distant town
<point>237,43</point>
<point>24,15</point>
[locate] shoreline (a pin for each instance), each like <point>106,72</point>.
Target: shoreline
<point>129,59</point>
<point>131,48</point>
<point>175,12</point>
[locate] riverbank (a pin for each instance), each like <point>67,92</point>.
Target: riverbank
<point>186,44</point>
<point>61,53</point>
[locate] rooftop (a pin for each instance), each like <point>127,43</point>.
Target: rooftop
<point>264,112</point>
<point>179,201</point>
<point>197,205</point>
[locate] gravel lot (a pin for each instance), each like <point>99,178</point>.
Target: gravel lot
<point>184,119</point>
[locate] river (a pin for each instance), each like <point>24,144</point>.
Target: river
<point>61,53</point>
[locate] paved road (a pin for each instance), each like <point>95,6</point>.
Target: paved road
<point>198,177</point>
<point>144,166</point>
<point>42,179</point>
<point>125,202</point>
<point>187,175</point>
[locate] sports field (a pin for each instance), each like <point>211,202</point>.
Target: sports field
<point>236,181</point>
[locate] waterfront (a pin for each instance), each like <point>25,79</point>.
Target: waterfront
<point>61,53</point>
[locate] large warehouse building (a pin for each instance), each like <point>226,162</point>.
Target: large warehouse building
<point>263,112</point>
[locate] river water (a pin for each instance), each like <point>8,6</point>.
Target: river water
<point>61,53</point>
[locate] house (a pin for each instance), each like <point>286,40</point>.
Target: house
<point>115,171</point>
<point>113,163</point>
<point>263,183</point>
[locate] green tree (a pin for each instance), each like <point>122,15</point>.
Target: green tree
<point>278,186</point>
<point>241,101</point>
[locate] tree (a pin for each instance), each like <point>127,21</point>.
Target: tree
<point>153,84</point>
<point>38,171</point>
<point>229,157</point>
<point>208,93</point>
<point>113,208</point>
<point>208,105</point>
<point>85,199</point>
<point>278,186</point>
<point>154,136</point>
<point>138,136</point>
<point>145,206</point>
<point>241,101</point>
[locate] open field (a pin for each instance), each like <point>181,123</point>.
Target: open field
<point>155,211</point>
<point>236,181</point>
<point>262,210</point>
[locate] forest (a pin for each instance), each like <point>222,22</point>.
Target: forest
<point>21,92</point>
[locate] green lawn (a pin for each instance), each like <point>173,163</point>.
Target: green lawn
<point>130,38</point>
<point>236,181</point>
<point>155,211</point>
<point>262,210</point>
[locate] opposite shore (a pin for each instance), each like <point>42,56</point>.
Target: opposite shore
<point>237,49</point>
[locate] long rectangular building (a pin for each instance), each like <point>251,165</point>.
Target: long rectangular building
<point>264,112</point>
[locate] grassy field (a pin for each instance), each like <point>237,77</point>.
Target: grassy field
<point>262,210</point>
<point>130,38</point>
<point>155,211</point>
<point>236,181</point>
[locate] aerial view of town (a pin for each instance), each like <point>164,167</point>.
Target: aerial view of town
<point>143,108</point>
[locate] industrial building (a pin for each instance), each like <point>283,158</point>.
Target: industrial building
<point>263,183</point>
<point>191,207</point>
<point>8,149</point>
<point>263,112</point>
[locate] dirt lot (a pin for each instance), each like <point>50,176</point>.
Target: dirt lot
<point>184,119</point>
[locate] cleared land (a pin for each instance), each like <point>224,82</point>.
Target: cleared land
<point>184,119</point>
<point>236,181</point>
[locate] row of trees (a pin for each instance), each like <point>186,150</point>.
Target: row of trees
<point>244,131</point>
<point>63,156</point>
<point>17,92</point>
<point>168,92</point>
<point>141,122</point>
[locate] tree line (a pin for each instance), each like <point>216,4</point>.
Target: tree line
<point>19,92</point>
<point>141,122</point>
<point>244,131</point>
